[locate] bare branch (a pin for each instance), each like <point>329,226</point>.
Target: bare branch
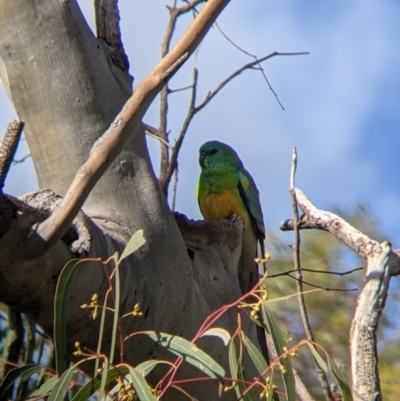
<point>256,59</point>
<point>335,225</point>
<point>108,29</point>
<point>174,187</point>
<point>299,279</point>
<point>382,262</point>
<point>155,133</point>
<point>8,147</point>
<point>239,71</point>
<point>165,178</point>
<point>180,89</point>
<point>22,159</point>
<point>302,281</point>
<point>128,121</point>
<point>339,228</point>
<point>287,272</point>
<point>165,164</point>
<point>363,344</point>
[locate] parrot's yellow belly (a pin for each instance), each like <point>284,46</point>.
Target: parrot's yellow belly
<point>221,206</point>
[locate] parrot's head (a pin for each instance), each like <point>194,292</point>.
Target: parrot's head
<point>218,154</point>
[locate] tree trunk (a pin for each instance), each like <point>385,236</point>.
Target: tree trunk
<point>63,84</point>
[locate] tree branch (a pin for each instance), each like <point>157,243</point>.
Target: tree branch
<point>363,343</point>
<point>382,262</point>
<point>299,279</point>
<point>125,124</point>
<point>166,175</point>
<point>339,228</point>
<point>165,164</point>
<point>8,147</point>
<point>239,71</point>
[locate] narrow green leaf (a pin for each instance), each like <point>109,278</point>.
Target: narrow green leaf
<point>61,387</point>
<point>94,385</point>
<point>255,355</point>
<point>339,377</point>
<point>136,241</point>
<point>146,367</point>
<point>45,388</point>
<point>321,363</point>
<point>103,380</point>
<point>271,391</point>
<point>64,285</point>
<point>218,332</point>
<point>15,374</point>
<point>237,373</point>
<point>101,333</point>
<point>279,342</point>
<point>140,385</point>
<point>341,380</point>
<point>233,366</point>
<point>191,353</point>
<point>117,292</point>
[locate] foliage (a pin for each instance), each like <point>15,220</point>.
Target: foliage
<point>130,382</point>
<point>320,252</point>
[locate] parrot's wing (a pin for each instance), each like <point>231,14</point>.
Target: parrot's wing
<point>251,198</point>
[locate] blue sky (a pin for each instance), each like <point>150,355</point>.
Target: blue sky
<point>341,101</point>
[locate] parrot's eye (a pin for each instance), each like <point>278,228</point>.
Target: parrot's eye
<point>213,151</point>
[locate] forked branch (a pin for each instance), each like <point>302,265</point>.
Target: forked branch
<point>382,263</point>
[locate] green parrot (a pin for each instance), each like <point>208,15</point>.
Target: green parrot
<point>226,188</point>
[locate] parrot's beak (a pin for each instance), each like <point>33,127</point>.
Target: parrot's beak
<point>201,159</point>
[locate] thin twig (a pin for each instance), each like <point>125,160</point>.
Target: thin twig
<point>165,178</point>
<point>22,159</point>
<point>155,133</point>
<point>302,281</point>
<point>8,147</point>
<point>257,61</point>
<point>247,66</point>
<point>334,273</point>
<point>179,89</point>
<point>299,279</point>
<point>175,12</point>
<point>285,273</point>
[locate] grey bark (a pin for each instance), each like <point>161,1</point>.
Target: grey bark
<point>382,264</point>
<point>63,84</point>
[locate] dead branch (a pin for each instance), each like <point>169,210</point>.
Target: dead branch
<point>167,168</point>
<point>166,175</point>
<point>8,147</point>
<point>175,12</point>
<point>339,228</point>
<point>21,160</point>
<point>299,278</point>
<point>363,343</point>
<point>106,149</point>
<point>245,67</point>
<point>255,58</point>
<point>382,263</point>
